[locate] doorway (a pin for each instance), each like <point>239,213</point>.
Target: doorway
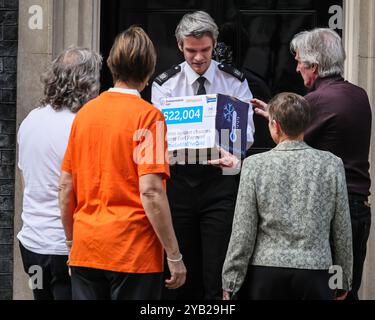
<point>255,34</point>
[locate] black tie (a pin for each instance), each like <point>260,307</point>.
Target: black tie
<point>201,89</point>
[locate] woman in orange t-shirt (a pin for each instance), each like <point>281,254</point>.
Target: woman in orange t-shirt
<point>113,203</point>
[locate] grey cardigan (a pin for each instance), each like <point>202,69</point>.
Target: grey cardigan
<point>290,201</point>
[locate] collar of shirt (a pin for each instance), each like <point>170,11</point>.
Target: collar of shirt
<point>125,91</point>
<point>192,76</point>
<point>291,145</point>
<point>320,82</point>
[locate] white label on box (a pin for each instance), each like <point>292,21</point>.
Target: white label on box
<point>191,122</point>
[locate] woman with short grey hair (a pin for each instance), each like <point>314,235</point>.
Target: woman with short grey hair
<point>322,47</point>
<point>197,24</point>
<point>71,81</point>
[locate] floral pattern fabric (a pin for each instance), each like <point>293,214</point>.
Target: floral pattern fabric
<point>292,211</point>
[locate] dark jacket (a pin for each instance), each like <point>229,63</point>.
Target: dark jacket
<point>341,124</point>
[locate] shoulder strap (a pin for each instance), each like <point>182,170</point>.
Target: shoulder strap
<point>232,71</point>
<point>165,76</point>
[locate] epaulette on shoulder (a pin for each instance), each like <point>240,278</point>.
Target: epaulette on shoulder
<point>165,76</point>
<point>232,71</point>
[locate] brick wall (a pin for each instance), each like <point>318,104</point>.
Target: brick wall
<point>8,85</point>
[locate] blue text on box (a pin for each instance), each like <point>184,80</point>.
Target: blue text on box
<point>183,115</point>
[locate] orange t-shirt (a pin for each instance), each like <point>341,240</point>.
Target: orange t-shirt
<point>115,139</point>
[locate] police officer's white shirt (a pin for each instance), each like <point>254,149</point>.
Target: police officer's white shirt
<point>43,138</point>
<point>185,83</point>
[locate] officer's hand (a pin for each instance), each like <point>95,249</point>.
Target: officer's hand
<point>178,275</point>
<point>260,108</point>
<point>227,160</point>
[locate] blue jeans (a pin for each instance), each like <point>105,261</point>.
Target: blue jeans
<point>360,213</point>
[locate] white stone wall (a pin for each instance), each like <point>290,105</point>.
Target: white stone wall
<point>46,27</point>
<point>360,69</point>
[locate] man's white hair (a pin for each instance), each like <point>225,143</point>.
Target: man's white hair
<point>322,47</point>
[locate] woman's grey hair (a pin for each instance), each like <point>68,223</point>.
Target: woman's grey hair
<point>322,47</point>
<point>197,24</point>
<point>72,80</point>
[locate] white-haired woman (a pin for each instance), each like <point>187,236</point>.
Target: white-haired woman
<point>72,80</point>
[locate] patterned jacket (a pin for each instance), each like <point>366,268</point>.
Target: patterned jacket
<point>291,201</point>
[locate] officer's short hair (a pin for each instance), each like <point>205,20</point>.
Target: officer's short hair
<point>197,24</point>
<point>291,111</point>
<point>132,57</point>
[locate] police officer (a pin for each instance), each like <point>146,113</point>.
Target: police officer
<point>201,198</point>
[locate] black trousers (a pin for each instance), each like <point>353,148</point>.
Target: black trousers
<point>56,284</point>
<point>95,284</point>
<point>270,283</point>
<point>360,213</point>
<point>202,211</point>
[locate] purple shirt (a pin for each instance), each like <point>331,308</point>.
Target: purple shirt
<point>341,124</point>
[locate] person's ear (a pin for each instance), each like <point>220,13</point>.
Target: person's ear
<point>314,68</point>
<point>180,46</point>
<point>274,130</point>
<point>277,127</point>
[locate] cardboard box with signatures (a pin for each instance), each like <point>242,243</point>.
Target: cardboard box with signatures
<point>205,122</point>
